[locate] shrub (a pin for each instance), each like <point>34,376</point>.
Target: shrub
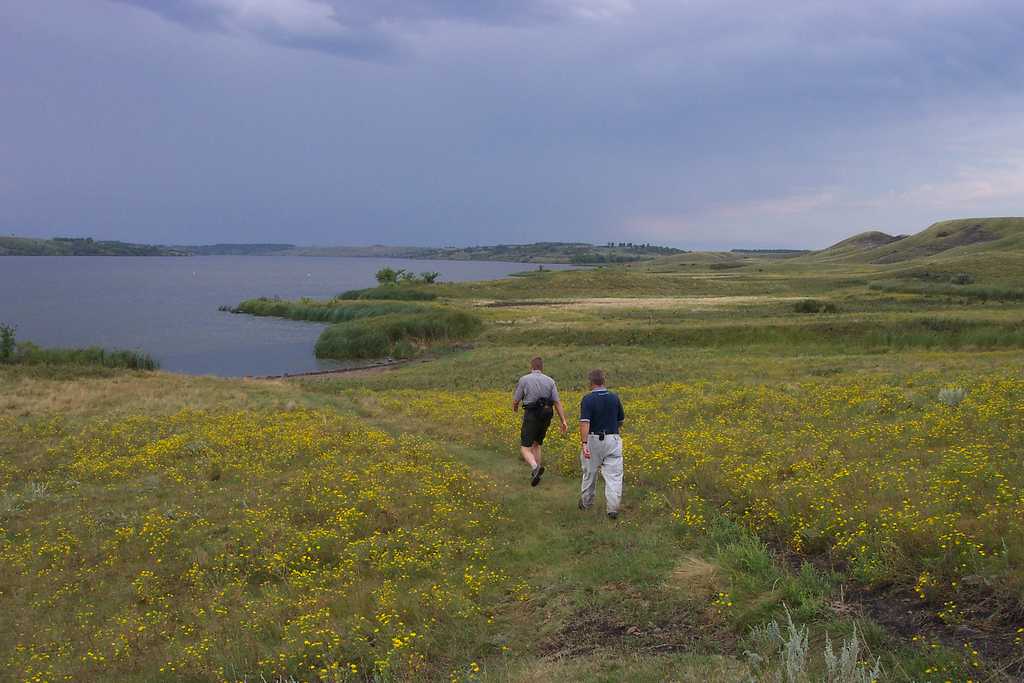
<point>814,306</point>
<point>952,396</point>
<point>7,341</point>
<point>386,275</point>
<point>962,279</point>
<point>784,656</point>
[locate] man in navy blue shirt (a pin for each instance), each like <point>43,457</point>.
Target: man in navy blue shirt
<point>601,418</point>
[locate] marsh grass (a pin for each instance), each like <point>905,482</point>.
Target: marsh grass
<point>399,335</point>
<point>26,353</point>
<point>401,292</point>
<point>325,312</point>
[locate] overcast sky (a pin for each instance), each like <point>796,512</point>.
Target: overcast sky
<point>694,123</point>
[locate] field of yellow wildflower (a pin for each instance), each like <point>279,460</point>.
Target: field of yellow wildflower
<point>889,482</point>
<point>256,545</point>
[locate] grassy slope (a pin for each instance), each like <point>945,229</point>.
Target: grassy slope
<point>946,240</point>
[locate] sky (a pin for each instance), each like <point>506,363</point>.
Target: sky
<point>700,124</point>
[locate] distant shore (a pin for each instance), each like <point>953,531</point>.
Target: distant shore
<point>574,253</point>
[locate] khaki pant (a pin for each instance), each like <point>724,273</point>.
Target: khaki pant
<point>605,456</point>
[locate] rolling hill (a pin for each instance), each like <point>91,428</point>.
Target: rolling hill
<point>943,240</point>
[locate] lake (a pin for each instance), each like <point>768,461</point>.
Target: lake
<point>168,306</point>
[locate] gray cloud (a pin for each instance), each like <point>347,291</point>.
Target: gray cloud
<point>705,123</point>
<point>362,29</point>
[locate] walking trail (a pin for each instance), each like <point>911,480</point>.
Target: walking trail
<point>609,600</point>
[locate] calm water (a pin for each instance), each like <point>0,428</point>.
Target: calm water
<point>168,306</point>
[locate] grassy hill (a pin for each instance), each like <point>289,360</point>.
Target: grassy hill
<point>853,247</point>
<point>946,239</point>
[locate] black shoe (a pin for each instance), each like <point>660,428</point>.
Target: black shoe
<point>581,506</point>
<point>537,472</point>
<point>613,515</point>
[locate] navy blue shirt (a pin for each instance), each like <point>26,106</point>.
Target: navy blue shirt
<point>603,410</point>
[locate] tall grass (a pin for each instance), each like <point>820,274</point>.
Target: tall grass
<point>398,335</point>
<point>389,293</point>
<point>27,353</point>
<point>326,312</point>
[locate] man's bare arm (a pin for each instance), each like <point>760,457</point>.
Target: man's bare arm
<point>584,434</point>
<point>515,405</point>
<point>560,409</point>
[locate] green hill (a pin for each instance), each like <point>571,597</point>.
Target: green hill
<point>853,247</point>
<point>945,240</point>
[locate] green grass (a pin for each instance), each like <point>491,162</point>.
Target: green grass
<point>784,337</point>
<point>947,289</point>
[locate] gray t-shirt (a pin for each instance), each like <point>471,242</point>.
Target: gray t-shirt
<point>534,386</point>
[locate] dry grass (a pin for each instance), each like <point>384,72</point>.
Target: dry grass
<point>158,393</point>
<point>696,576</point>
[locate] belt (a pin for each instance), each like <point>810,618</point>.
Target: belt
<point>600,435</point>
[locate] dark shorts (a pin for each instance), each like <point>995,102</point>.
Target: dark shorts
<point>535,426</point>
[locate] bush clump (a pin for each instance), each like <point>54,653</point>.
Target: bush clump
<point>784,656</point>
<point>952,396</point>
<point>814,306</point>
<point>962,279</point>
<point>7,342</point>
<point>397,335</point>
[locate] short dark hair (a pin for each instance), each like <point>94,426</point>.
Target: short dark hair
<point>537,363</point>
<point>596,377</point>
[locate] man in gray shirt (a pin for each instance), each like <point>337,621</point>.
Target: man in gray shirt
<point>539,396</point>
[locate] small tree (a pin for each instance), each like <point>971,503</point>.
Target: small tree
<point>429,278</point>
<point>7,341</point>
<point>388,276</point>
<point>406,276</point>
